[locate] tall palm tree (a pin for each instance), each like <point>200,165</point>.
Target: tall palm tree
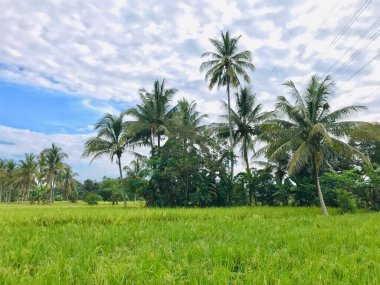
<point>27,174</point>
<point>153,115</point>
<point>111,140</point>
<point>53,162</point>
<point>310,127</point>
<point>247,122</point>
<point>224,67</point>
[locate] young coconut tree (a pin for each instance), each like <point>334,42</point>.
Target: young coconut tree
<point>152,116</point>
<point>247,120</point>
<point>111,140</point>
<point>309,127</point>
<point>52,160</point>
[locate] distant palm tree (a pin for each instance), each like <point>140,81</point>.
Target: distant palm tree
<point>27,174</point>
<point>309,127</point>
<point>53,161</point>
<point>187,120</point>
<point>247,122</point>
<point>224,68</point>
<point>10,172</point>
<point>67,180</point>
<point>153,115</point>
<point>111,140</point>
<point>136,169</point>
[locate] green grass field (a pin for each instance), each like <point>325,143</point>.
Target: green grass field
<point>80,244</point>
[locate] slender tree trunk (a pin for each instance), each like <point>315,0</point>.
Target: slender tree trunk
<point>187,189</point>
<point>10,192</point>
<point>247,169</point>
<point>246,159</point>
<point>320,195</point>
<point>230,126</point>
<point>122,181</point>
<point>152,140</point>
<point>51,190</point>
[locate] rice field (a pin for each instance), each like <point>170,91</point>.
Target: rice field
<point>80,244</point>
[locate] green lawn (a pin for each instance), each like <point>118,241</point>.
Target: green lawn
<point>80,244</point>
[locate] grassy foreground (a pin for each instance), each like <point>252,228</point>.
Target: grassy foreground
<point>80,244</point>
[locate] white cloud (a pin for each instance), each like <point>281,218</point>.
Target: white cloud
<point>20,141</point>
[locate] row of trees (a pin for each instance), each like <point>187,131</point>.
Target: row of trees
<point>35,177</point>
<point>302,133</point>
<point>192,164</point>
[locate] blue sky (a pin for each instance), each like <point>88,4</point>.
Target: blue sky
<point>63,64</point>
<point>43,110</point>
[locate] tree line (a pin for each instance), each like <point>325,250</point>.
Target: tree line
<point>312,155</point>
<point>195,165</point>
<point>36,177</point>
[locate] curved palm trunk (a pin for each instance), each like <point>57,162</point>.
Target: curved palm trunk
<point>121,181</point>
<point>320,195</point>
<point>230,127</point>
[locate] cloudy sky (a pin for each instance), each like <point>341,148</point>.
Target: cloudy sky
<point>64,63</point>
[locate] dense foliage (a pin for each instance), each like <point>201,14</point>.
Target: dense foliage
<point>37,178</point>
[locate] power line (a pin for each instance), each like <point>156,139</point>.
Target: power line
<point>352,47</point>
<point>360,69</point>
<point>315,34</point>
<point>364,66</point>
<point>358,52</point>
<point>340,34</point>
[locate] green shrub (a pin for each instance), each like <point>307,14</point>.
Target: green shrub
<point>58,197</point>
<point>92,199</point>
<point>346,201</point>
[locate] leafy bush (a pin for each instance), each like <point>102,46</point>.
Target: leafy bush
<point>92,199</point>
<point>346,201</point>
<point>58,197</point>
<point>38,193</point>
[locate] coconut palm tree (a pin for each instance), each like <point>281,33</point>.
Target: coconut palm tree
<point>224,67</point>
<point>52,159</point>
<point>153,115</point>
<point>309,127</point>
<point>111,140</point>
<point>136,169</point>
<point>10,177</point>
<point>247,122</point>
<point>27,174</point>
<point>67,180</point>
<point>187,120</point>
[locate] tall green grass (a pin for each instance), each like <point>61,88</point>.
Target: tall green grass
<point>80,244</point>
